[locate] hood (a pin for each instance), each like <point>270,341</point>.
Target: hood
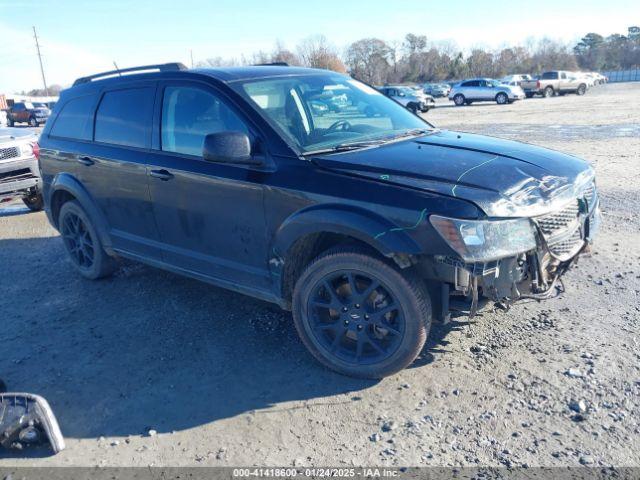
<point>46,111</point>
<point>10,134</point>
<point>504,178</point>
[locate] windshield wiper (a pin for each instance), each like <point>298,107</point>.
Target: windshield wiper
<point>345,147</point>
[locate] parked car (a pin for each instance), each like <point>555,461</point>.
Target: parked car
<point>436,89</point>
<point>362,226</point>
<point>408,97</point>
<point>557,82</point>
<point>26,112</point>
<point>515,80</point>
<point>483,90</point>
<point>19,174</point>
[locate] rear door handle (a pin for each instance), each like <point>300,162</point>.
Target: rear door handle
<point>88,161</point>
<point>161,174</point>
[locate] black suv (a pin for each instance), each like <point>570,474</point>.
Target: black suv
<point>365,226</point>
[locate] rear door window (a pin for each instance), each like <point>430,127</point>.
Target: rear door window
<point>124,117</point>
<point>74,120</point>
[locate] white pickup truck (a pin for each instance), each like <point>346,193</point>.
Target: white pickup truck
<point>19,172</point>
<point>555,82</point>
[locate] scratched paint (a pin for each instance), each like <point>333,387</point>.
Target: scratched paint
<point>422,216</point>
<point>453,190</point>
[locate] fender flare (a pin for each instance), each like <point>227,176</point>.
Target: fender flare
<point>67,182</point>
<point>361,224</point>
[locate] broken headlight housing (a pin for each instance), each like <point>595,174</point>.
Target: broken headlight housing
<point>486,240</point>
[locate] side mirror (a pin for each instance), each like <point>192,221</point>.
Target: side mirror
<point>228,147</point>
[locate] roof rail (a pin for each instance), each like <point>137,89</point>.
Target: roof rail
<point>272,64</point>
<point>164,67</point>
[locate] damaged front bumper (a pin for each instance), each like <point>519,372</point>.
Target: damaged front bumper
<point>561,237</point>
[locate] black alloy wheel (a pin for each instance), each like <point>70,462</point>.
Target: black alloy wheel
<point>78,241</point>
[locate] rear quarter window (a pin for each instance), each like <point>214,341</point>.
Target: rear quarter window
<point>124,117</point>
<point>74,119</point>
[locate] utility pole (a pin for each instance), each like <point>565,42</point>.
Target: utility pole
<point>44,82</point>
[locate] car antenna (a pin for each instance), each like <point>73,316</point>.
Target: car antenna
<point>116,65</point>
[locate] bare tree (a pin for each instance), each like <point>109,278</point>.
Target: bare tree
<point>317,52</point>
<point>282,54</point>
<point>368,60</point>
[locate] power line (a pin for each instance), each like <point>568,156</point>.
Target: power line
<point>44,82</point>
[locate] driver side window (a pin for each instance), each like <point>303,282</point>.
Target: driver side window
<point>189,114</point>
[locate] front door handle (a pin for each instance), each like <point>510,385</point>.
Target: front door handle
<point>88,161</point>
<point>161,174</point>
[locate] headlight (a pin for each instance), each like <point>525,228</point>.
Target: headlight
<point>26,150</point>
<point>485,240</point>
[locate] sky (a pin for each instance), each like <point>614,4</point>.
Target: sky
<point>83,37</point>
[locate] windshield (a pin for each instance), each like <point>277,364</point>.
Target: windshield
<point>326,111</point>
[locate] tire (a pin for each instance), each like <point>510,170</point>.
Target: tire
<point>413,108</point>
<point>82,243</point>
<point>529,95</point>
<point>10,122</point>
<point>548,92</point>
<point>364,336</point>
<point>502,98</point>
<point>458,99</point>
<point>33,122</point>
<point>582,89</point>
<point>34,202</point>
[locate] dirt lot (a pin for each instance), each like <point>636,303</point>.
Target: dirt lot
<point>222,379</point>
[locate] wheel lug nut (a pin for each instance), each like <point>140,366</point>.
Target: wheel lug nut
<point>366,317</point>
<point>346,322</point>
<point>359,327</point>
<point>344,309</point>
<point>357,305</point>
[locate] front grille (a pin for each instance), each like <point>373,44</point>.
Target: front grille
<point>557,222</point>
<point>15,175</point>
<point>562,230</point>
<point>11,152</point>
<point>565,249</point>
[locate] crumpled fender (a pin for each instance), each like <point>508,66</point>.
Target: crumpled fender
<point>67,182</point>
<point>362,224</point>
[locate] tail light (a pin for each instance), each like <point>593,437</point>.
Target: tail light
<point>538,84</point>
<point>36,150</point>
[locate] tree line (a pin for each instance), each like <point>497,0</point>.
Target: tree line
<point>416,59</point>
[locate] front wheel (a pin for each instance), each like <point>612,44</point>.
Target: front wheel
<point>10,122</point>
<point>34,202</point>
<point>502,99</point>
<point>359,315</point>
<point>33,122</point>
<point>582,89</point>
<point>458,99</point>
<point>82,243</point>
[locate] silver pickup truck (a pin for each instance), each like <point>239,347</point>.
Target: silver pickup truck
<point>556,82</point>
<point>19,172</point>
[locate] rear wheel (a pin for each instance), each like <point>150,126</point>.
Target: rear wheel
<point>458,99</point>
<point>82,243</point>
<point>548,92</point>
<point>34,202</point>
<point>359,315</point>
<point>582,89</point>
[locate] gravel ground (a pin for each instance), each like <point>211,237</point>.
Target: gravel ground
<point>149,368</point>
